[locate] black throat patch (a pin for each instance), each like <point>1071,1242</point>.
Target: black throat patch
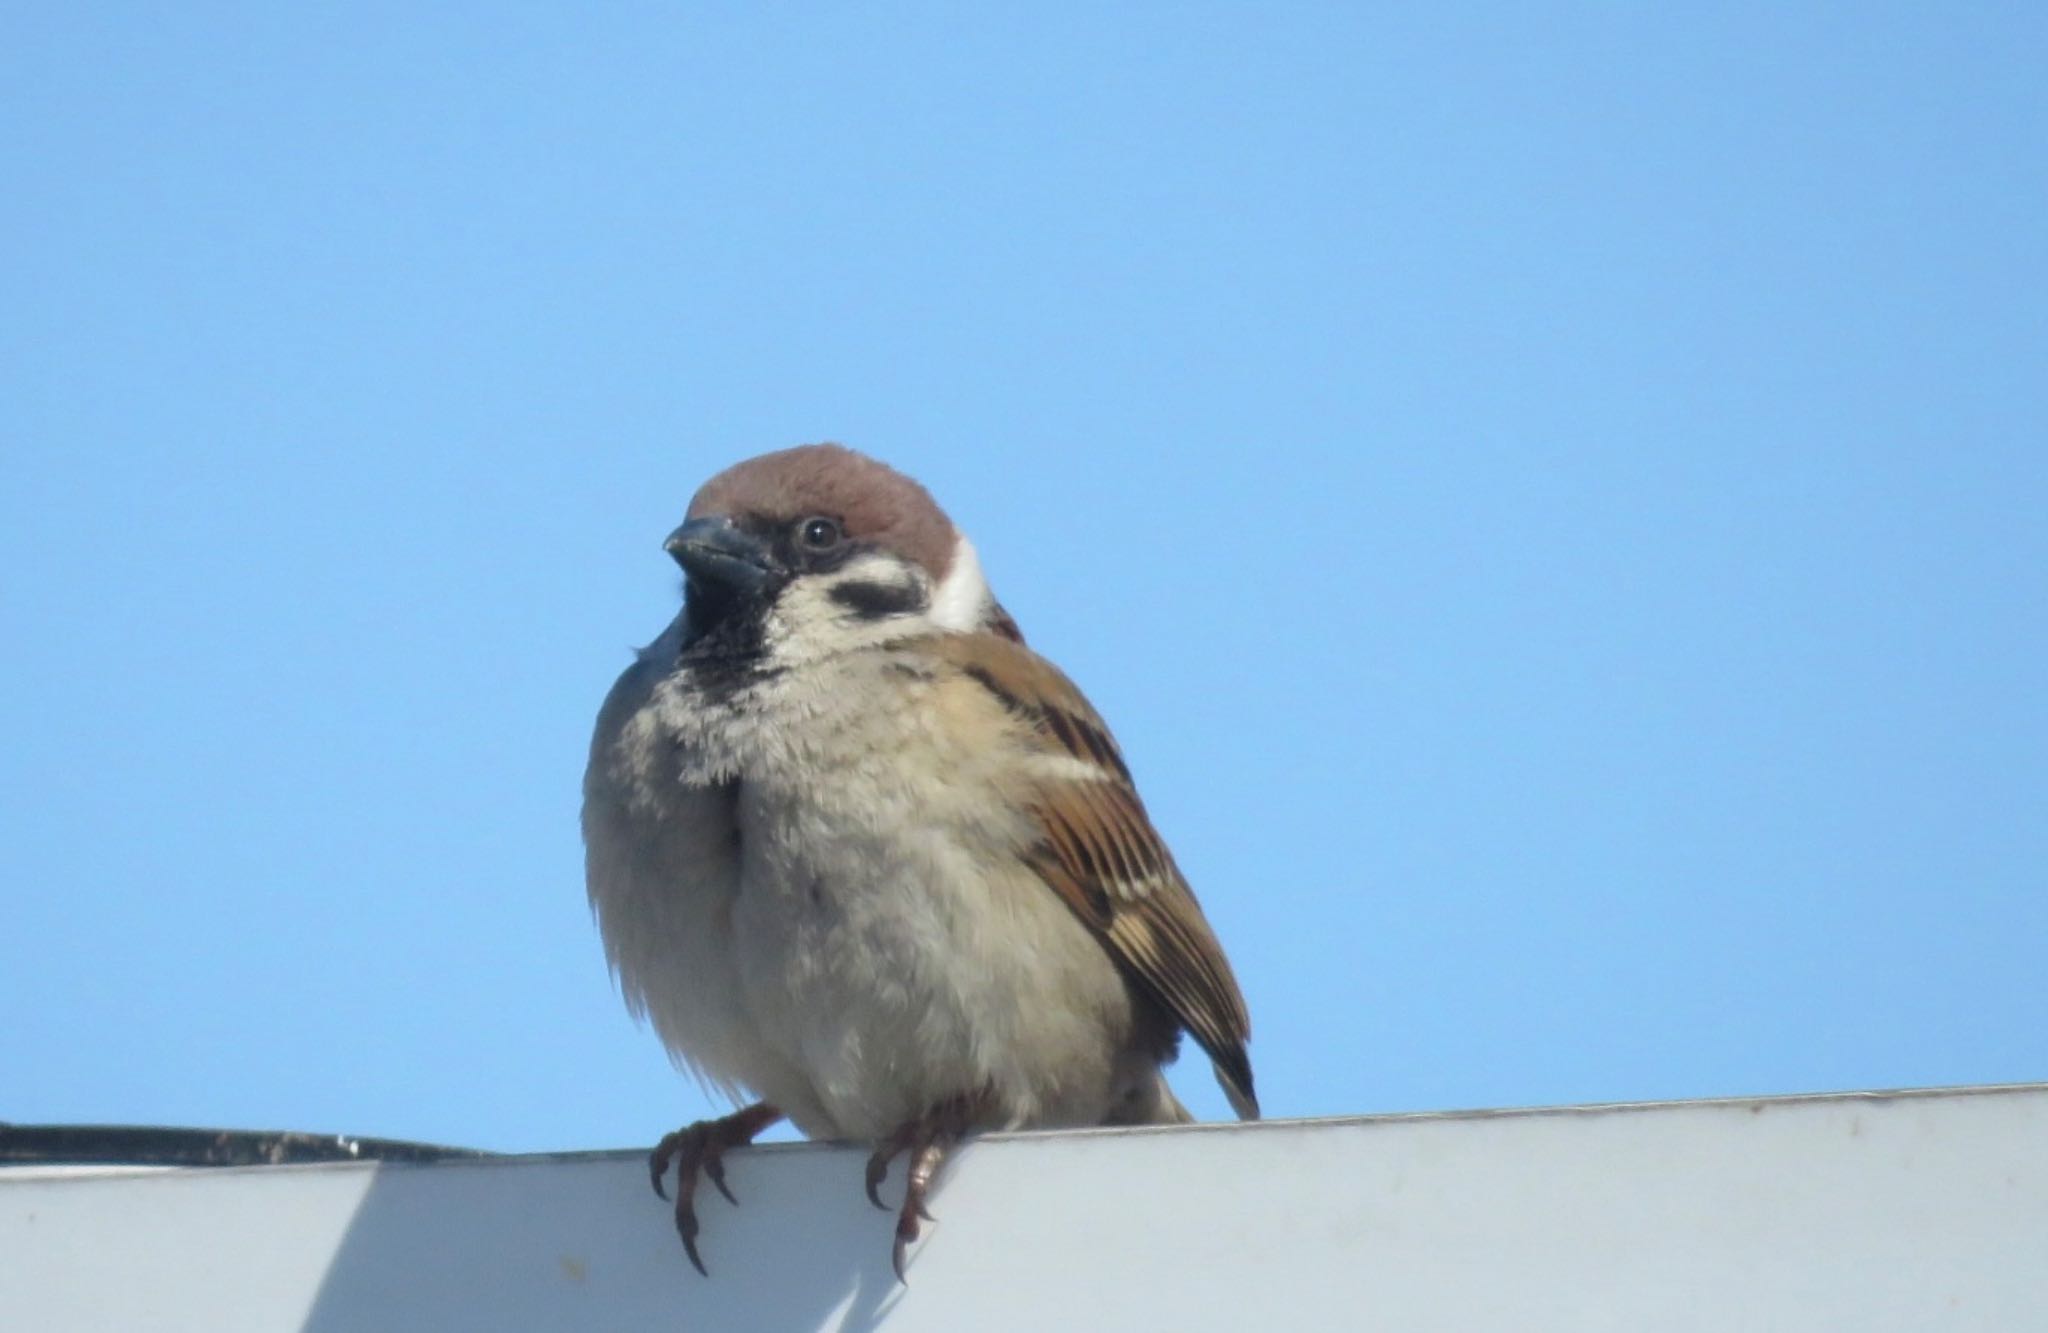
<point>724,643</point>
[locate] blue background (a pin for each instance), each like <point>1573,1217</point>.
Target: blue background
<point>1554,503</point>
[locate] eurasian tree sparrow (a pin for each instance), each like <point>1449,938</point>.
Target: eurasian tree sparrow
<point>859,853</point>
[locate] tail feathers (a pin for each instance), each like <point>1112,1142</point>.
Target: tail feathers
<point>1234,1076</point>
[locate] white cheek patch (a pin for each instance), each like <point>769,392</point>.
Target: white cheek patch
<point>872,599</point>
<point>962,599</point>
<point>875,598</point>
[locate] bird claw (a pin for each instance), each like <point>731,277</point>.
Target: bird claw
<point>904,1139</point>
<point>698,1151</point>
<point>686,1227</point>
<point>927,1139</point>
<point>906,1232</point>
<point>714,1169</point>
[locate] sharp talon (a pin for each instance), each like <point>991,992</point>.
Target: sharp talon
<point>924,1212</point>
<point>686,1227</point>
<point>906,1233</point>
<point>878,1171</point>
<point>690,1248</point>
<point>715,1169</point>
<point>896,1258</point>
<point>658,1160</point>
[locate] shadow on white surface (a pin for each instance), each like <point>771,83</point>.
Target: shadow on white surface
<point>578,1243</point>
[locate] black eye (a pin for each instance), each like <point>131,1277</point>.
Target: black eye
<point>820,534</point>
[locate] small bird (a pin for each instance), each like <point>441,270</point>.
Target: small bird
<point>868,862</point>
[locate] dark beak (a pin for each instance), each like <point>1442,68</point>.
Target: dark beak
<point>716,553</point>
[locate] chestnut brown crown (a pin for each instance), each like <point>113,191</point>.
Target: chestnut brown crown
<point>873,501</point>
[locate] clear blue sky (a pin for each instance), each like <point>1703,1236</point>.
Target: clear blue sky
<point>1554,501</point>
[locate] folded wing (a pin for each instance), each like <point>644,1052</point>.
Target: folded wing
<point>1098,850</point>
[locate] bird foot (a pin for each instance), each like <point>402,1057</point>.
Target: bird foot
<point>698,1152</point>
<point>926,1140</point>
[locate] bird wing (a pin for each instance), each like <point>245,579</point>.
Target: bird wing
<point>1098,850</point>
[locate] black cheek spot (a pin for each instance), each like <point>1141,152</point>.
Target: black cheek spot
<point>878,601</point>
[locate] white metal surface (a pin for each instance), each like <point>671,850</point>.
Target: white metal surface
<point>1873,1212</point>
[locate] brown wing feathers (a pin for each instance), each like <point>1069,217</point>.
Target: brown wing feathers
<point>1101,855</point>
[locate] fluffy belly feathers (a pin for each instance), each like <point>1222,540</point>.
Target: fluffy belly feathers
<point>894,973</point>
